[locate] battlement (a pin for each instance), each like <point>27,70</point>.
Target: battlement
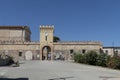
<point>18,42</point>
<point>46,33</point>
<point>79,42</point>
<point>46,26</point>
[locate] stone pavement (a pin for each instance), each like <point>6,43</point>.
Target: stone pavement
<point>58,70</point>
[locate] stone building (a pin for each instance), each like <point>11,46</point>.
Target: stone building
<point>16,42</point>
<point>15,33</point>
<point>113,51</point>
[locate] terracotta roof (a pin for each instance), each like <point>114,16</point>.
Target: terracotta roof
<point>11,27</point>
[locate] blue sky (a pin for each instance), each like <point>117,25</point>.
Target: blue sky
<point>74,20</point>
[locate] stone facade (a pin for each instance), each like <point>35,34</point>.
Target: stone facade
<point>112,50</point>
<point>16,43</point>
<point>15,33</point>
<point>46,42</point>
<point>19,50</point>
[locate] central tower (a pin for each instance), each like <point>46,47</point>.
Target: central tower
<point>46,42</point>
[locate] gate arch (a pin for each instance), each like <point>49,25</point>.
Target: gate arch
<point>46,53</point>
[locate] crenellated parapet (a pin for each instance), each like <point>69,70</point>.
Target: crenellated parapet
<point>36,42</point>
<point>79,42</point>
<point>46,33</point>
<point>48,28</point>
<point>18,42</point>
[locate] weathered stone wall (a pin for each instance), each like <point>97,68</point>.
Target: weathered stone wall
<point>7,35</point>
<point>66,49</point>
<point>46,31</point>
<point>21,50</point>
<point>46,39</point>
<point>77,46</point>
<point>112,50</point>
<point>15,41</point>
<point>19,47</point>
<point>21,54</point>
<point>14,33</point>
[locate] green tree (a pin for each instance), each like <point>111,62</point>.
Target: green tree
<point>56,39</point>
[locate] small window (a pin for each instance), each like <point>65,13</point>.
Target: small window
<point>116,53</point>
<point>71,51</point>
<point>83,51</point>
<point>46,38</point>
<point>46,35</point>
<point>20,53</point>
<point>106,51</point>
<point>101,51</point>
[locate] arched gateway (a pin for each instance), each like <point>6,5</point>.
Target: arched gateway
<point>46,42</point>
<point>46,53</point>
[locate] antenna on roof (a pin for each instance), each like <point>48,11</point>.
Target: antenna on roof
<point>112,44</point>
<point>113,48</point>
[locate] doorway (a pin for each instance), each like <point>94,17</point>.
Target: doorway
<point>46,53</point>
<point>28,55</point>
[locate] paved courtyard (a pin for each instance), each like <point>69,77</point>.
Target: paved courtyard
<point>58,70</point>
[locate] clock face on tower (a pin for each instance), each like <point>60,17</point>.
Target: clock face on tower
<point>46,34</point>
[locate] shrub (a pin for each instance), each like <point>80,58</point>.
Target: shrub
<point>91,57</point>
<point>114,62</point>
<point>83,59</point>
<point>78,57</point>
<point>102,59</point>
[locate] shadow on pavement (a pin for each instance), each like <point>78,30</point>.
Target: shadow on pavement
<point>62,78</point>
<point>14,79</point>
<point>108,77</point>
